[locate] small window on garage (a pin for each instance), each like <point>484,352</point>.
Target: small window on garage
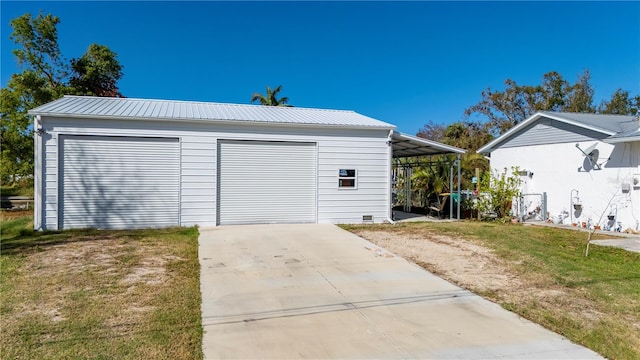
<point>347,178</point>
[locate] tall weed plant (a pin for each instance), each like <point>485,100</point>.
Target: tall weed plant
<point>497,191</point>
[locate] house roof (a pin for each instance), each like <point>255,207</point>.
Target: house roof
<point>141,109</point>
<point>406,146</point>
<point>620,127</point>
<point>624,137</point>
<point>604,123</point>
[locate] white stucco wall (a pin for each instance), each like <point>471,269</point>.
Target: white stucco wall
<point>363,149</point>
<point>559,168</point>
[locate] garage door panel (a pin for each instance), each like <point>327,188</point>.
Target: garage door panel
<point>119,182</point>
<point>266,182</point>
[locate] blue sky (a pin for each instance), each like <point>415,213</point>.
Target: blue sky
<point>406,63</point>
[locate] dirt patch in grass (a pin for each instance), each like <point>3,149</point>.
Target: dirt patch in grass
<point>14,214</point>
<point>102,257</point>
<point>448,257</point>
<point>560,289</point>
<point>102,295</point>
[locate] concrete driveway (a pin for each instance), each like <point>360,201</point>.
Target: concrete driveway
<point>629,244</point>
<point>317,291</point>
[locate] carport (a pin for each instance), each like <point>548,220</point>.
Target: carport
<point>409,153</point>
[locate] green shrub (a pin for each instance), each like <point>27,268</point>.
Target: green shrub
<point>497,191</point>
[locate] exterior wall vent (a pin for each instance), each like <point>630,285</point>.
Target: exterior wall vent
<point>367,218</point>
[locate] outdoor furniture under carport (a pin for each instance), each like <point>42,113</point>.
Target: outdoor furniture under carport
<point>439,206</point>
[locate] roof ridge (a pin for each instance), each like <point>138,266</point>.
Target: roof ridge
<point>578,113</point>
<point>204,102</point>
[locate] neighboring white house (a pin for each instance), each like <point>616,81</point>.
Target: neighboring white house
<point>132,163</point>
<point>585,159</point>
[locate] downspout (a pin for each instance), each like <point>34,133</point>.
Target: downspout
<point>389,174</point>
<point>37,169</point>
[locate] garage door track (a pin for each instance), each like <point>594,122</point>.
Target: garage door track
<point>317,291</point>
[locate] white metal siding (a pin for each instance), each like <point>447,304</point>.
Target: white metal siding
<point>364,150</point>
<point>266,182</point>
<point>50,178</point>
<point>119,182</point>
<point>369,157</point>
<point>198,181</point>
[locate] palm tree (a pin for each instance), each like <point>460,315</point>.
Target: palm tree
<point>271,99</point>
<point>432,180</point>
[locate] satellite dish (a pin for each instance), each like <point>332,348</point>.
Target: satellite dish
<point>589,148</point>
<point>592,154</point>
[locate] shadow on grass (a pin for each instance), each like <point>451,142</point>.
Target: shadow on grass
<point>140,329</point>
<point>27,240</point>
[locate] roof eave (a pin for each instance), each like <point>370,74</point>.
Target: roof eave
<point>619,140</point>
<point>441,147</point>
<point>216,121</point>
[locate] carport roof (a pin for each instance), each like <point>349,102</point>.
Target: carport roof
<point>406,146</point>
<point>149,109</point>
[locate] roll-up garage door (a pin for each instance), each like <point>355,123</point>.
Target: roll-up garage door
<point>112,182</point>
<point>266,182</point>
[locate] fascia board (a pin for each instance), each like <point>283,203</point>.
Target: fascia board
<point>428,142</point>
<point>619,140</point>
<point>210,121</point>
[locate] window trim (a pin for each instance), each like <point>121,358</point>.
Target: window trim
<point>354,178</point>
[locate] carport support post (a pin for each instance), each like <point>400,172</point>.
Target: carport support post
<point>459,198</point>
<point>407,171</point>
<point>477,190</point>
<point>451,192</point>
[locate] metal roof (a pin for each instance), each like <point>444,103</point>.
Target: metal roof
<point>612,123</point>
<point>620,127</point>
<point>404,145</point>
<point>128,108</point>
<point>628,136</point>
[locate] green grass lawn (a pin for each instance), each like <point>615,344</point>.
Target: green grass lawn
<point>91,294</point>
<point>594,301</point>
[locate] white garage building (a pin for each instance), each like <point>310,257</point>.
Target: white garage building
<point>117,163</point>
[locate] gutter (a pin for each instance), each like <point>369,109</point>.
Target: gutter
<point>619,140</point>
<point>389,161</point>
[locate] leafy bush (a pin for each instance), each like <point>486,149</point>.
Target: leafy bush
<point>497,192</point>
